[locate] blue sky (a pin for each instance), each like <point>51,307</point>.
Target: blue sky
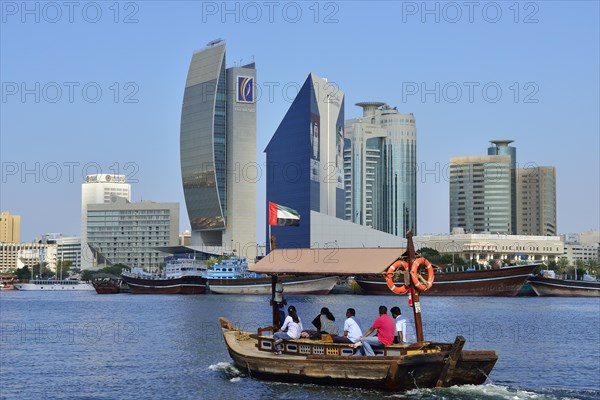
<point>526,71</point>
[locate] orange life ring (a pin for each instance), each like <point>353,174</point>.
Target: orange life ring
<point>389,277</point>
<point>417,280</point>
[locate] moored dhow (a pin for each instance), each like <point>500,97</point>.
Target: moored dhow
<point>564,288</point>
<point>179,277</point>
<point>231,276</point>
<point>464,281</point>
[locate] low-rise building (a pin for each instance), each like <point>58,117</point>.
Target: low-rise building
<point>583,246</point>
<point>128,233</point>
<point>487,247</point>
<point>18,255</point>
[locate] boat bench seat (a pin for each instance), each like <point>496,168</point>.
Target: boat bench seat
<point>308,347</point>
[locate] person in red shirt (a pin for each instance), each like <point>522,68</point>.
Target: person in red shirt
<point>385,334</point>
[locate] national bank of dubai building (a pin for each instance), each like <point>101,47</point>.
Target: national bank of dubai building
<point>218,152</point>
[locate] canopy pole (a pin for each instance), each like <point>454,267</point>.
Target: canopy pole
<point>274,304</point>
<point>274,278</point>
<point>412,291</point>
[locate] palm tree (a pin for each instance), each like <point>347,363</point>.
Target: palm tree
<point>592,266</point>
<point>561,265</point>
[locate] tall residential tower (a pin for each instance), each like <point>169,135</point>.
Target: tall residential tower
<point>482,191</point>
<point>380,156</point>
<point>536,201</point>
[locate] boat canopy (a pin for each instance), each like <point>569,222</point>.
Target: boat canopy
<point>330,261</point>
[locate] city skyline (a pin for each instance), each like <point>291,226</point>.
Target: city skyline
<point>56,127</point>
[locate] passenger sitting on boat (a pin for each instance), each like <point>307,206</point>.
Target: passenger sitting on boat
<point>352,331</point>
<point>325,322</point>
<point>291,329</point>
<point>385,334</point>
<point>400,324</point>
<point>281,313</point>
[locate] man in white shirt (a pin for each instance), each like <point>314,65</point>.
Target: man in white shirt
<point>352,332</point>
<point>400,324</point>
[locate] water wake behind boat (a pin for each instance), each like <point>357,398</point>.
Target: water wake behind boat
<point>227,370</point>
<point>496,392</point>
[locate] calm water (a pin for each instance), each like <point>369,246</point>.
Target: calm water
<point>89,346</point>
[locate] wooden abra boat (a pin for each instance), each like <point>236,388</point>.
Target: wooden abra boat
<point>397,367</point>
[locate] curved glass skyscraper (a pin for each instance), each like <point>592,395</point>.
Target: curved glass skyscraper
<point>218,134</point>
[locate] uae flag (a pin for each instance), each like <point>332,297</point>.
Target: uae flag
<point>283,216</point>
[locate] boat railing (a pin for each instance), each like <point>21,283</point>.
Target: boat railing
<point>266,329</point>
<point>317,348</point>
<point>465,268</point>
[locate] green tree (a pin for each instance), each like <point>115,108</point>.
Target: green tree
<point>580,267</point>
<point>115,269</point>
<point>63,268</point>
<point>592,266</point>
<point>562,265</point>
<point>430,254</point>
<point>87,275</point>
<point>23,274</point>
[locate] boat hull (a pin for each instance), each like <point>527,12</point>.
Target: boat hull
<point>182,285</point>
<point>7,286</point>
<point>107,288</point>
<point>564,288</point>
<point>291,285</point>
<point>53,287</point>
<point>397,373</point>
<point>502,282</point>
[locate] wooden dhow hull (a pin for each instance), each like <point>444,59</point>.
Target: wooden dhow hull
<point>502,282</point>
<point>424,365</point>
<point>182,285</point>
<point>564,288</point>
<point>291,285</point>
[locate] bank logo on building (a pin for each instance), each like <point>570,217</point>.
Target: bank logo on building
<point>245,89</point>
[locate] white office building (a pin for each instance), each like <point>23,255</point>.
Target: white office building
<point>129,233</point>
<point>99,189</point>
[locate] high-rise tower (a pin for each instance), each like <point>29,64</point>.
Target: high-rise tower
<point>536,201</point>
<point>482,191</point>
<point>305,171</point>
<point>217,150</point>
<point>380,155</point>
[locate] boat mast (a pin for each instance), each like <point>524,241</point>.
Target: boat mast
<point>412,291</point>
